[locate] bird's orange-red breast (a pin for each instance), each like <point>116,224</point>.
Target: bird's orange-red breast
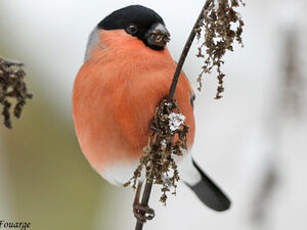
<point>126,73</point>
<point>115,95</point>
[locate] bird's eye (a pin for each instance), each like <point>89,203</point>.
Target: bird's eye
<point>132,29</point>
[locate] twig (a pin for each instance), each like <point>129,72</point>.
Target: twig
<point>148,186</point>
<point>186,50</point>
<point>145,199</point>
<point>216,18</point>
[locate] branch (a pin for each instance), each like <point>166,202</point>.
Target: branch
<point>186,50</point>
<point>148,186</point>
<point>222,26</point>
<point>145,199</point>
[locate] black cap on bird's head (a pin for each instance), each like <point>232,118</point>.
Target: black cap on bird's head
<point>140,22</point>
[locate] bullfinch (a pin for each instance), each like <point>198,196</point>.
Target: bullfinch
<point>127,70</point>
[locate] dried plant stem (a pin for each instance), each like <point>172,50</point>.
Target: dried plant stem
<point>148,186</point>
<point>186,50</point>
<point>144,202</point>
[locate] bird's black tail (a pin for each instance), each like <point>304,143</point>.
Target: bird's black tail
<point>209,193</point>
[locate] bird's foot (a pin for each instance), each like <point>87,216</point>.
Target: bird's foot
<point>143,213</point>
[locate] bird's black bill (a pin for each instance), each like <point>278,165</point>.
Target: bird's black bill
<point>157,36</point>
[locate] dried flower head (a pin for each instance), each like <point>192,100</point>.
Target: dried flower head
<point>217,20</point>
<point>222,26</point>
<point>12,86</point>
<point>168,140</point>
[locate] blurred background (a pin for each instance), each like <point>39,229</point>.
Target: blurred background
<point>252,142</point>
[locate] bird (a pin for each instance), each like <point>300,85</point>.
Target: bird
<point>126,72</point>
